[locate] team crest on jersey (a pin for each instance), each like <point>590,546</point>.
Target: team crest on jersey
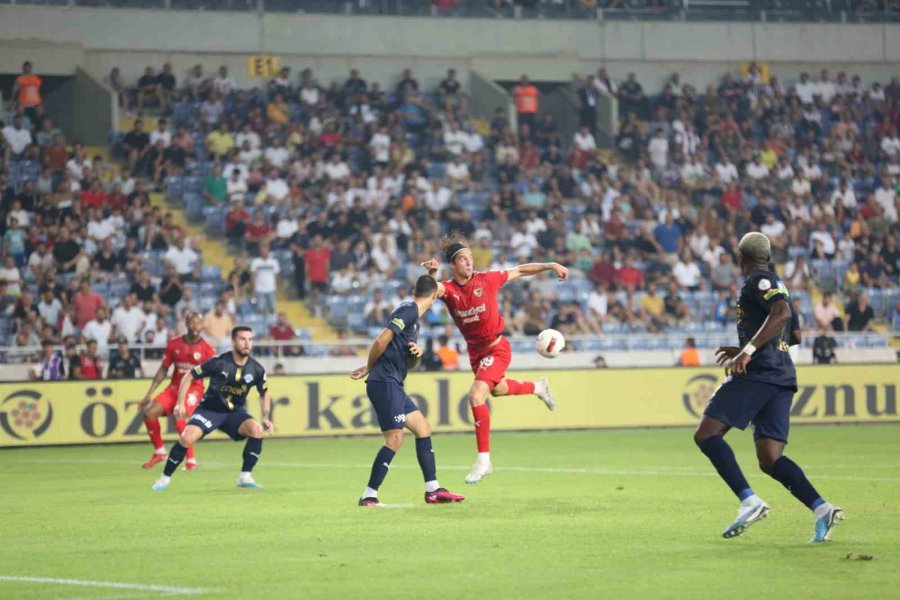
<point>479,292</point>
<point>764,284</point>
<point>196,356</point>
<point>248,378</point>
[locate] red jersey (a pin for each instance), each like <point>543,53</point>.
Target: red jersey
<point>474,307</point>
<point>186,356</point>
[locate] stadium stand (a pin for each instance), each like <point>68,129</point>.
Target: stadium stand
<point>352,183</point>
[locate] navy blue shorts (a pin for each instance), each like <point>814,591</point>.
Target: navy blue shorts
<point>741,401</point>
<point>391,403</point>
<point>229,422</point>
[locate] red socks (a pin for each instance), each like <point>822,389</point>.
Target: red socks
<point>180,425</point>
<point>519,388</point>
<point>153,430</point>
<point>482,417</point>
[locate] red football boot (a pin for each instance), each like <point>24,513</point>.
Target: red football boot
<point>372,502</point>
<point>442,496</point>
<point>154,459</point>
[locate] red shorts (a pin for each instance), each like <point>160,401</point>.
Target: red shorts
<point>169,397</point>
<point>490,364</point>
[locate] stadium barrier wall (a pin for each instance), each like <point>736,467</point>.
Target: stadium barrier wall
<point>500,49</point>
<point>38,414</point>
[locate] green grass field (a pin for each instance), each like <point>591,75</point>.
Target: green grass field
<point>619,514</point>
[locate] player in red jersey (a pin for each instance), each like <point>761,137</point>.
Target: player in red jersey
<point>185,352</point>
<point>471,298</point>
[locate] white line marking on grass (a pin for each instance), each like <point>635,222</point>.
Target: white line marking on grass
<point>144,587</point>
<point>661,472</point>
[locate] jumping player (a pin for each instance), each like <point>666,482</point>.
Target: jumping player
<point>393,352</point>
<point>760,389</point>
<point>471,298</point>
<point>185,352</point>
<point>224,406</point>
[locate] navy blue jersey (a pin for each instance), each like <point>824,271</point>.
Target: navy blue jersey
<point>229,383</point>
<point>771,363</point>
<point>392,365</point>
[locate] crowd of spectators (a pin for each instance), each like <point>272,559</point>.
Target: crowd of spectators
<point>352,183</point>
<point>346,186</point>
<point>91,266</point>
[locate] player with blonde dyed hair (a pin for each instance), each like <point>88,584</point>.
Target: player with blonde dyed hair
<point>759,388</point>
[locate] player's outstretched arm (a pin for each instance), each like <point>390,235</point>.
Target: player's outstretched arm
<point>158,378</point>
<point>534,268</point>
<point>779,317</point>
<point>378,347</point>
<point>433,267</point>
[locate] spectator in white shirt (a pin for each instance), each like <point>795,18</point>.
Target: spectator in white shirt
<point>890,144</point>
<point>265,270</point>
<point>99,329</point>
<point>522,243</point>
<point>276,154</point>
<point>686,271</point>
<point>223,84</point>
<point>380,147</point>
<point>17,137</point>
<point>336,169</point>
<point>584,140</point>
<point>309,94</point>
<point>99,228</point>
<point>844,196</point>
<point>726,170</point>
<point>474,141</point>
<point>247,134</point>
<point>384,258</point>
<point>772,228</point>
<point>821,234</point>
<point>805,89</point>
<point>886,197</point>
<point>277,189</point>
<point>659,151</point>
<point>757,169</point>
<point>161,133</point>
<point>455,139</point>
<point>236,186</point>
<point>185,260</point>
<point>438,197</point>
<point>458,173</point>
<point>128,319</point>
<point>826,90</point>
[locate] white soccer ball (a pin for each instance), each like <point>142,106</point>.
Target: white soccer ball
<point>550,343</point>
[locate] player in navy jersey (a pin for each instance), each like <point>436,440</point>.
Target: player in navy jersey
<point>759,388</point>
<point>231,376</point>
<point>392,354</point>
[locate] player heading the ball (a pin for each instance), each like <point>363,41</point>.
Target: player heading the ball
<point>471,298</point>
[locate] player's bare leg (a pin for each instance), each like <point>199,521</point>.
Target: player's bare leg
<point>191,435</point>
<point>516,387</point>
<point>434,493</point>
<point>779,467</point>
<point>478,394</point>
<point>709,437</point>
<point>152,413</point>
<point>253,431</point>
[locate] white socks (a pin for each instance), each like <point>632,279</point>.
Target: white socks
<point>822,510</point>
<point>161,451</point>
<point>484,457</point>
<point>165,479</point>
<point>370,493</point>
<point>432,486</point>
<point>750,501</point>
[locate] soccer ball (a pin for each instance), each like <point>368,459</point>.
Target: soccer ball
<point>549,343</point>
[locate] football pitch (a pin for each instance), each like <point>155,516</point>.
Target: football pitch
<point>613,514</point>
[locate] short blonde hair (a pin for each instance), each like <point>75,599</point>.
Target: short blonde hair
<point>756,247</point>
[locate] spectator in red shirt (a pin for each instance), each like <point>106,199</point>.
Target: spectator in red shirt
<point>95,196</point>
<point>116,199</point>
<point>604,270</point>
<point>257,232</point>
<point>236,222</point>
<point>87,364</point>
<point>731,197</point>
<point>87,301</point>
<point>282,331</point>
<point>629,276</point>
<point>317,259</point>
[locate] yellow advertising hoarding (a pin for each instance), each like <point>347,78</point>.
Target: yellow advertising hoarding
<point>106,411</point>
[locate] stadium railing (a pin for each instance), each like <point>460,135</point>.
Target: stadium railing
<point>850,11</point>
